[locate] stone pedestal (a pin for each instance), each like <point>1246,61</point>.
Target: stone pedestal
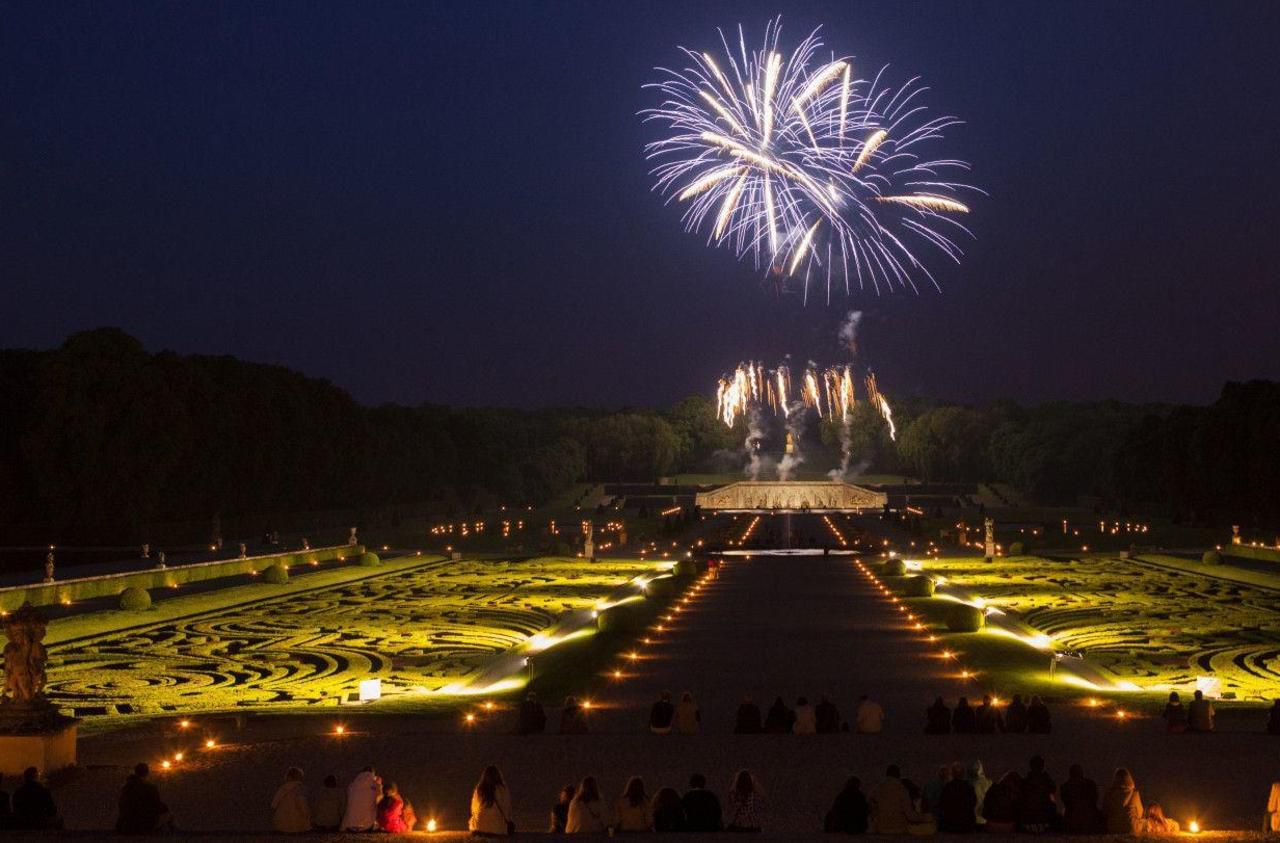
<point>46,741</point>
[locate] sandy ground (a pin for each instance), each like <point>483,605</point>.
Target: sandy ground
<point>767,626</point>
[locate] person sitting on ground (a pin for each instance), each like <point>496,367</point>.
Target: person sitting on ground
<point>806,719</point>
<point>748,720</point>
<point>1272,822</point>
<point>850,812</point>
<point>573,719</point>
<point>937,718</point>
<point>828,716</point>
<point>33,803</point>
<point>363,795</point>
<point>533,717</point>
<point>987,718</point>
<point>1015,716</point>
<point>141,811</point>
<point>560,810</point>
<point>958,804</point>
<point>1200,714</point>
<point>490,805</point>
<point>330,805</point>
<point>1175,716</point>
<point>1080,803</point>
<point>290,812</point>
<point>1122,805</point>
<point>632,811</point>
<point>746,803</point>
<point>5,817</point>
<point>395,813</point>
<point>1038,719</point>
<point>932,795</point>
<point>1002,805</point>
<point>688,715</point>
<point>701,806</point>
<point>667,810</point>
<point>661,714</point>
<point>892,810</point>
<point>779,718</point>
<point>869,718</point>
<point>977,778</point>
<point>963,720</point>
<point>1273,719</point>
<point>1156,822</point>
<point>1039,810</point>
<point>586,811</point>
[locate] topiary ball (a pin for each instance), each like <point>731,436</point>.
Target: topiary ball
<point>276,574</point>
<point>662,587</point>
<point>135,599</point>
<point>1211,557</point>
<point>370,560</point>
<point>895,568</point>
<point>918,586</point>
<point>686,568</point>
<point>624,617</point>
<point>965,618</point>
<point>1017,549</point>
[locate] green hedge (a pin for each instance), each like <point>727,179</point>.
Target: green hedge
<point>965,618</point>
<point>918,586</point>
<point>1017,549</point>
<point>1244,551</point>
<point>686,568</point>
<point>1211,557</point>
<point>135,599</point>
<point>625,617</point>
<point>276,575</point>
<point>663,587</point>
<point>370,560</point>
<point>895,568</point>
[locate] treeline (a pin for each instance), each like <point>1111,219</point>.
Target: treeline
<point>103,439</point>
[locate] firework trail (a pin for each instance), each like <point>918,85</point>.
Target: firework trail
<point>882,404</point>
<point>814,173</point>
<point>829,391</point>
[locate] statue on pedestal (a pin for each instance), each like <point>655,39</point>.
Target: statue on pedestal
<point>48,567</point>
<point>32,730</point>
<point>1235,534</point>
<point>242,551</point>
<point>25,658</point>
<point>351,539</point>
<point>160,560</point>
<point>306,544</point>
<point>990,538</point>
<point>146,551</point>
<point>588,545</point>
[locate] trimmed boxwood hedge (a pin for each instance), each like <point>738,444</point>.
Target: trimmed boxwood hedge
<point>686,568</point>
<point>1017,549</point>
<point>895,568</point>
<point>918,586</point>
<point>135,599</point>
<point>1211,557</point>
<point>965,618</point>
<point>276,575</point>
<point>370,560</point>
<point>663,587</point>
<point>625,617</point>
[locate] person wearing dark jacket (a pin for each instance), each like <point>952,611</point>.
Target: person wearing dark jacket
<point>1038,722</point>
<point>1003,804</point>
<point>780,719</point>
<point>1273,719</point>
<point>662,714</point>
<point>828,716</point>
<point>533,717</point>
<point>667,810</point>
<point>141,810</point>
<point>1039,809</point>
<point>957,806</point>
<point>937,718</point>
<point>963,720</point>
<point>748,721</point>
<point>33,804</point>
<point>1015,716</point>
<point>1080,803</point>
<point>988,717</point>
<point>849,813</point>
<point>701,806</point>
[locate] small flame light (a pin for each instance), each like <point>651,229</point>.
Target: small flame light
<point>431,825</point>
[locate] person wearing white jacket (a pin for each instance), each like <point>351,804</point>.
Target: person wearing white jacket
<point>362,801</point>
<point>290,812</point>
<point>490,805</point>
<point>587,811</point>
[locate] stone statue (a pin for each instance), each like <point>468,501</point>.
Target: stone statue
<point>306,545</point>
<point>160,560</point>
<point>48,567</point>
<point>351,539</point>
<point>588,543</point>
<point>146,551</point>
<point>25,657</point>
<point>242,550</point>
<point>989,539</point>
<point>1235,534</point>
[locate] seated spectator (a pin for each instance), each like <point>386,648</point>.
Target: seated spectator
<point>491,805</point>
<point>1122,805</point>
<point>395,814</point>
<point>533,717</point>
<point>828,716</point>
<point>869,718</point>
<point>290,812</point>
<point>1200,714</point>
<point>779,719</point>
<point>662,714</point>
<point>632,811</point>
<point>688,715</point>
<point>363,795</point>
<point>1175,716</point>
<point>963,720</point>
<point>573,720</point>
<point>1157,823</point>
<point>5,817</point>
<point>746,803</point>
<point>748,720</point>
<point>987,718</point>
<point>1039,809</point>
<point>560,810</point>
<point>806,718</point>
<point>958,804</point>
<point>892,809</point>
<point>1002,805</point>
<point>667,810</point>
<point>1080,803</point>
<point>586,811</point>
<point>850,812</point>
<point>1272,823</point>
<point>932,795</point>
<point>141,811</point>
<point>330,805</point>
<point>1273,719</point>
<point>1038,720</point>
<point>977,778</point>
<point>32,803</point>
<point>701,806</point>
<point>937,718</point>
<point>1015,716</point>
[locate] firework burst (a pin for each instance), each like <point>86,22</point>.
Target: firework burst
<point>817,175</point>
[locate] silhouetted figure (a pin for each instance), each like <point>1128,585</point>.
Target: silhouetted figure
<point>963,719</point>
<point>746,803</point>
<point>688,715</point>
<point>748,720</point>
<point>958,803</point>
<point>631,810</point>
<point>1003,804</point>
<point>533,717</point>
<point>1273,719</point>
<point>937,718</point>
<point>560,810</point>
<point>1015,716</point>
<point>779,719</point>
<point>850,812</point>
<point>805,721</point>
<point>701,806</point>
<point>141,810</point>
<point>869,716</point>
<point>33,803</point>
<point>667,810</point>
<point>1080,803</point>
<point>661,714</point>
<point>988,718</point>
<point>1200,714</point>
<point>1038,720</point>
<point>1039,809</point>
<point>828,716</point>
<point>1122,805</point>
<point>1175,716</point>
<point>330,805</point>
<point>892,806</point>
<point>573,719</point>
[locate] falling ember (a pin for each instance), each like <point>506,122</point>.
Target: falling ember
<point>929,203</point>
<point>882,404</point>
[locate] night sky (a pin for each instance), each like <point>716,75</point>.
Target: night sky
<point>449,202</point>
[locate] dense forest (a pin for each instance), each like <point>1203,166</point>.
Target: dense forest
<point>102,439</point>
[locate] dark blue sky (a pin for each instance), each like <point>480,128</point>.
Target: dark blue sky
<point>449,202</point>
